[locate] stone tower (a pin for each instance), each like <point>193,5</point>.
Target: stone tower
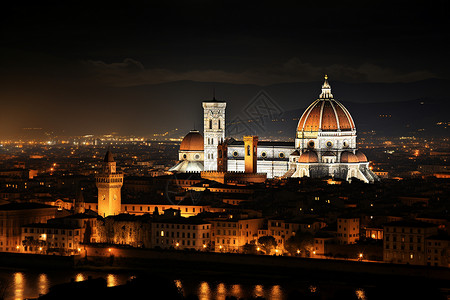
<point>251,144</point>
<point>78,205</point>
<point>222,156</point>
<point>109,183</point>
<point>213,131</point>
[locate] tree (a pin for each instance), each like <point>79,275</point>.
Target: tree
<point>267,243</point>
<point>249,248</point>
<point>302,241</point>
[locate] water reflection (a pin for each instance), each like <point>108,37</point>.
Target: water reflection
<point>179,286</point>
<point>221,292</point>
<point>111,280</point>
<point>80,277</point>
<point>236,291</point>
<point>258,291</point>
<point>43,284</point>
<point>29,285</point>
<point>360,294</point>
<point>276,293</point>
<point>19,283</point>
<point>204,292</point>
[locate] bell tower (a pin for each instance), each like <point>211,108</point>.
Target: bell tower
<point>222,157</point>
<point>109,183</point>
<point>213,131</point>
<point>250,158</point>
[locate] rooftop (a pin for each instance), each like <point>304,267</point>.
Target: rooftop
<point>410,223</point>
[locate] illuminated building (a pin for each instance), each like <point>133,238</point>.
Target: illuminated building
<point>109,183</point>
<point>232,234</point>
<point>282,230</point>
<point>325,145</point>
<point>326,142</point>
<point>15,215</point>
<point>181,233</point>
<point>347,230</point>
<point>404,241</point>
<point>125,229</point>
<point>438,251</point>
<point>213,131</point>
<point>191,154</point>
<point>46,238</point>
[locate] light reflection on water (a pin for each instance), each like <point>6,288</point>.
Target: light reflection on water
<point>22,285</point>
<point>30,285</point>
<point>18,285</point>
<point>111,280</point>
<point>43,284</point>
<point>219,291</point>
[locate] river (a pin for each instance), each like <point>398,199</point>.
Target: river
<point>23,284</point>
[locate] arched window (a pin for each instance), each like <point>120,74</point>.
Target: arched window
<point>210,124</point>
<point>220,153</point>
<point>248,150</point>
<point>219,124</point>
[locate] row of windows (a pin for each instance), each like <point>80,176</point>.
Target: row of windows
<point>178,226</point>
<point>141,208</point>
<point>183,234</point>
<point>49,231</point>
<point>50,245</point>
<point>225,232</point>
<point>107,180</point>
<point>227,241</point>
<point>227,225</point>
<point>402,238</point>
<point>176,243</point>
<point>350,235</point>
<point>403,230</point>
<point>402,247</point>
<point>345,228</point>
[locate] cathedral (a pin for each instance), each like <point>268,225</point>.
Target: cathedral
<point>325,145</point>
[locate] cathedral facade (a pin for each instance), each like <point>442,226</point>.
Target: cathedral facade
<point>325,145</point>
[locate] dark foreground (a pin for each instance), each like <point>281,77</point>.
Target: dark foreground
<point>303,279</point>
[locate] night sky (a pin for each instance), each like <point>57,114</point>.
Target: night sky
<point>82,68</point>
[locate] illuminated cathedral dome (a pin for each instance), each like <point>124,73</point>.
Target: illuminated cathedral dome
<point>191,154</point>
<point>361,156</point>
<point>326,114</point>
<point>349,157</point>
<point>193,141</point>
<point>308,157</point>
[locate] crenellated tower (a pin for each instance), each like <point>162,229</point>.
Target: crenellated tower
<point>109,183</point>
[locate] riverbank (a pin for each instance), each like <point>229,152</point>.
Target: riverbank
<point>220,265</point>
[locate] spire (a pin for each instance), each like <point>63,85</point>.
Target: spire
<point>108,157</point>
<point>326,90</point>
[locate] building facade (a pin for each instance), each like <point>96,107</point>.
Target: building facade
<point>404,241</point>
<point>15,215</point>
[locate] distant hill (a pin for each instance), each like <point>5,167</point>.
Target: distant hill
<point>421,117</point>
<point>387,108</point>
<point>148,109</point>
